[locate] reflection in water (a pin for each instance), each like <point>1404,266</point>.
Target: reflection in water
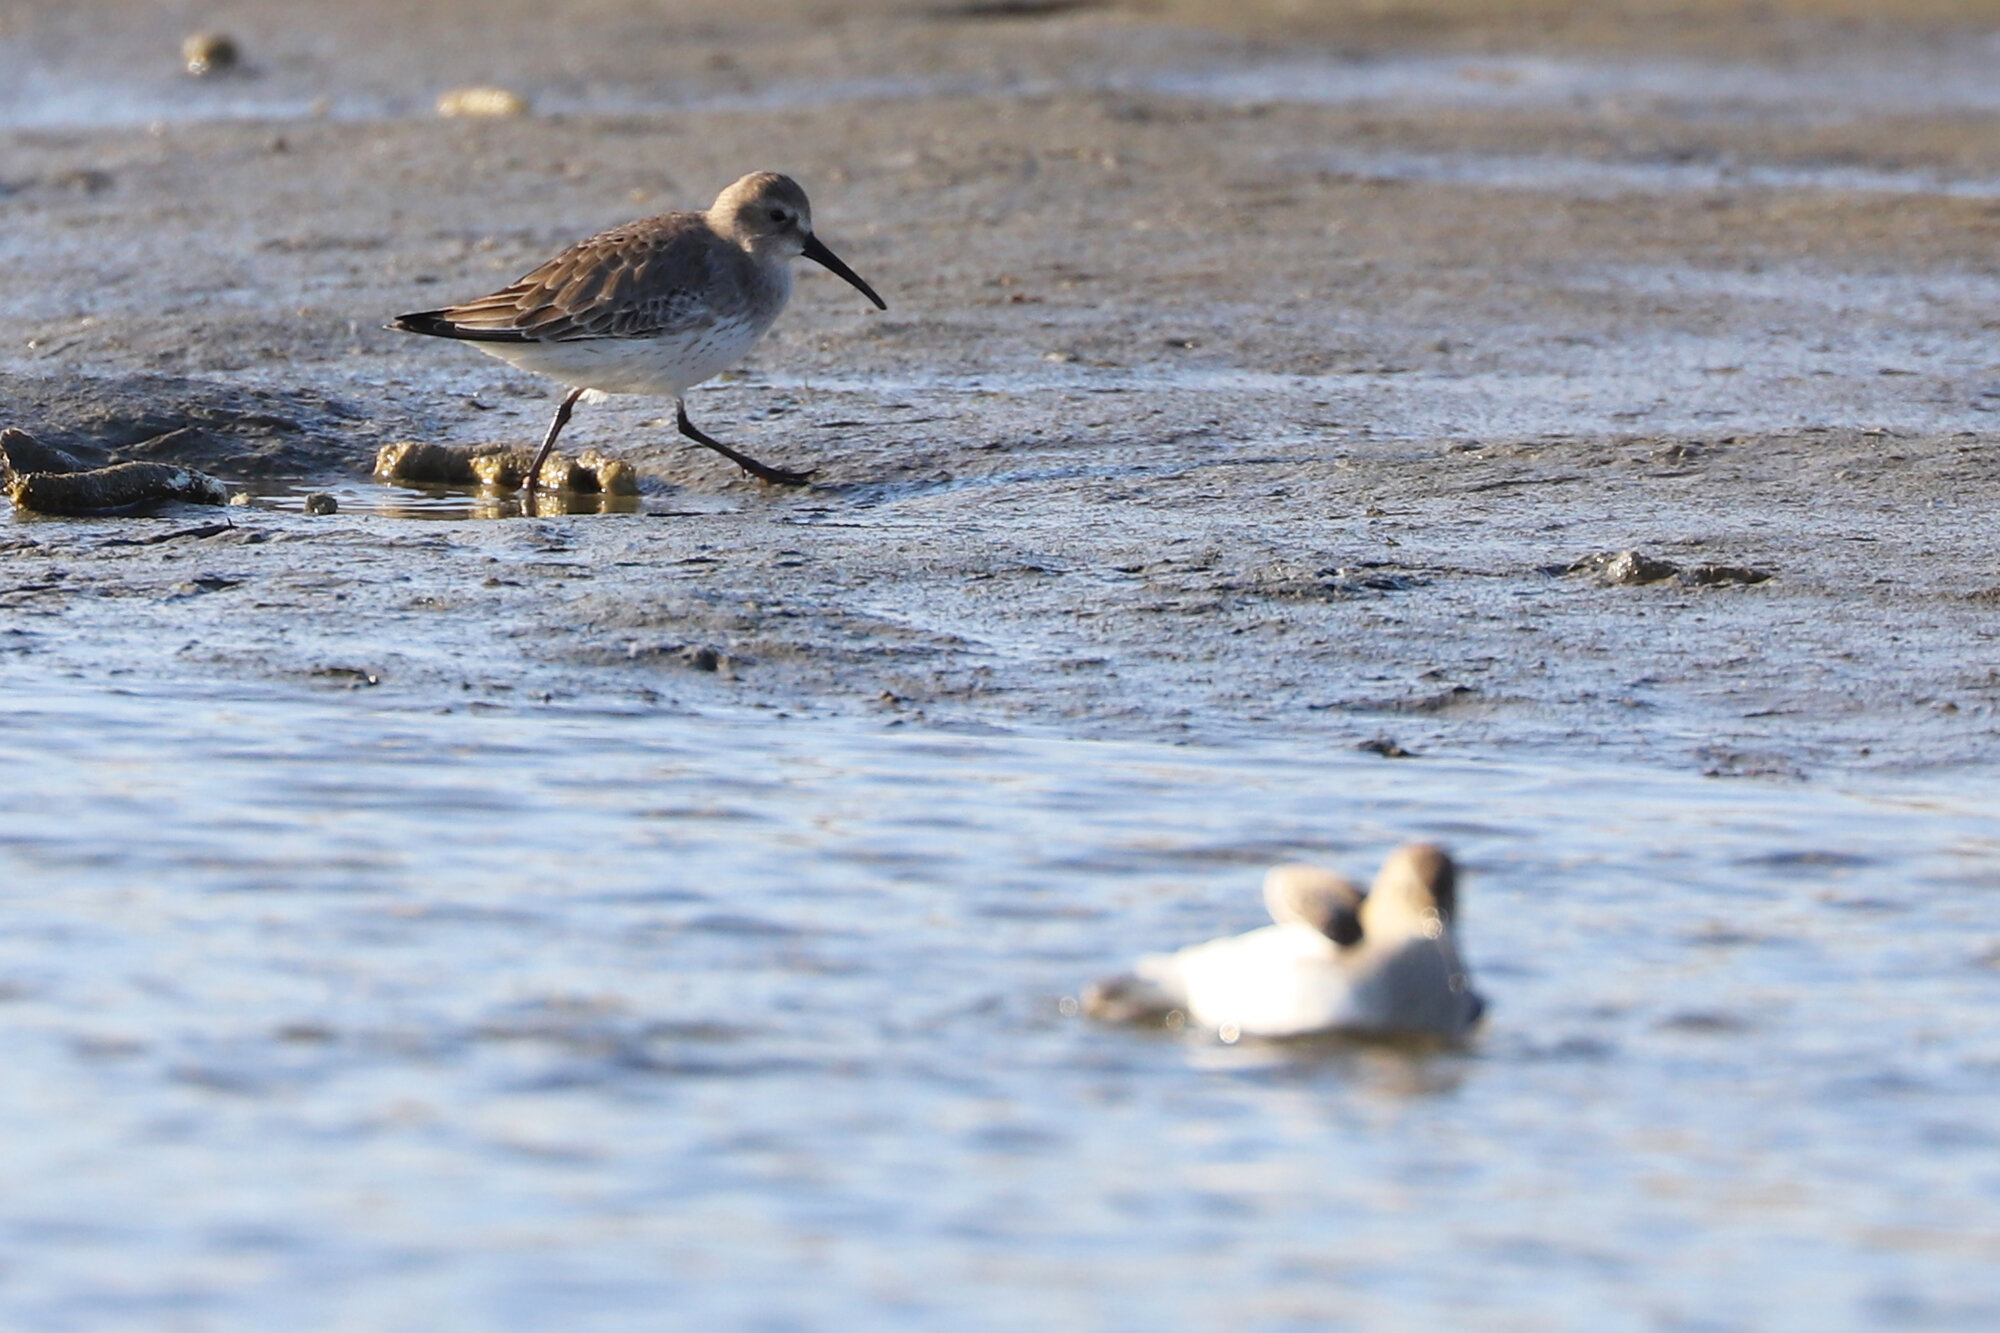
<point>1397,1069</point>
<point>455,503</point>
<point>557,1014</point>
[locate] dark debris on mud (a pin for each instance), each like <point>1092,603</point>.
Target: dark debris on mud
<point>1635,568</point>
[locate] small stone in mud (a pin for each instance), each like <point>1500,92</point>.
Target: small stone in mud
<point>1703,1022</point>
<point>120,486</point>
<point>482,102</point>
<point>702,658</point>
<point>1012,9</point>
<point>1387,748</point>
<point>319,502</point>
<point>207,53</point>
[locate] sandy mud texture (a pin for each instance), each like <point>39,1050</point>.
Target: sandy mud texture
<point>1246,368</point>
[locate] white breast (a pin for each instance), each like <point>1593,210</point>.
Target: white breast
<point>670,364</point>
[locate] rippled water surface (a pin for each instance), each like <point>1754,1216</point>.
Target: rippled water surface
<point>324,1014</point>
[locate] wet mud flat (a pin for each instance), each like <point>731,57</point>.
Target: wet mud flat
<point>1422,595</point>
<point>1195,410</point>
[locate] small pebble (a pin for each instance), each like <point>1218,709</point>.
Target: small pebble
<point>209,53</point>
<point>482,102</point>
<point>100,490</point>
<point>319,502</point>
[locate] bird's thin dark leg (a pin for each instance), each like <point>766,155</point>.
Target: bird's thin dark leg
<point>549,443</point>
<point>756,469</point>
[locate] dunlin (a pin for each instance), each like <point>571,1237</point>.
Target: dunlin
<point>1382,965</point>
<point>655,306</point>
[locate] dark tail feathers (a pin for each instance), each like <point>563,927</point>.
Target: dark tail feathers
<point>438,324</point>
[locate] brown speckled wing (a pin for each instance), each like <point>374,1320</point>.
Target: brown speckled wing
<point>654,278</point>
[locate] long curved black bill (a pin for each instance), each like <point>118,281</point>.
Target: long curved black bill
<point>819,254</point>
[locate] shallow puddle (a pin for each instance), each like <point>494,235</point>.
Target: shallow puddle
<point>451,503</point>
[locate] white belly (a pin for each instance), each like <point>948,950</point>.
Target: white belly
<point>1290,980</point>
<point>663,365</point>
<point>1281,981</point>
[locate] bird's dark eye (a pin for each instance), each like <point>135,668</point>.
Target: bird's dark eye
<point>777,215</point>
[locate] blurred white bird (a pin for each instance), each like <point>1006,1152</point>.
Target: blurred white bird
<point>1383,964</point>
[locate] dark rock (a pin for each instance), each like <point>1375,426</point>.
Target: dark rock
<point>21,454</point>
<point>108,489</point>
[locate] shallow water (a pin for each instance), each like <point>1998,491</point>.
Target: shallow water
<point>1600,178</point>
<point>1904,83</point>
<point>533,1017</point>
<point>443,503</point>
<point>135,80</point>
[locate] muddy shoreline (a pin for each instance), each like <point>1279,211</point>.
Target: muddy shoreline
<point>1192,416</point>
